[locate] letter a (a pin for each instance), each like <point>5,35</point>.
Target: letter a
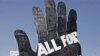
<point>41,50</point>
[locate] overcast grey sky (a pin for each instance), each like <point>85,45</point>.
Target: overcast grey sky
<point>17,14</point>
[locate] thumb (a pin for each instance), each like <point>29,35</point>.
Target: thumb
<point>23,43</point>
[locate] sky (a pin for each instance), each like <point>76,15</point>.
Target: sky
<point>17,14</point>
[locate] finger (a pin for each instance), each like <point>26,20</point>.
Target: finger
<point>71,27</point>
<point>61,18</point>
<point>71,24</point>
<point>23,43</point>
<point>40,24</point>
<point>51,18</point>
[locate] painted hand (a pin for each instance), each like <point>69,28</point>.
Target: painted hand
<point>51,27</point>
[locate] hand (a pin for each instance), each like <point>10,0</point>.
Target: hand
<point>54,26</point>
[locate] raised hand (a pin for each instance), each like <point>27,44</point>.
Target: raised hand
<point>50,27</point>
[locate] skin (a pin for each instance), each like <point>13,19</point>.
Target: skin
<point>51,27</point>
